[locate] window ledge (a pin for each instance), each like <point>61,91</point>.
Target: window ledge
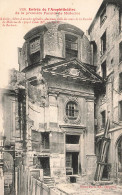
<point>71,118</point>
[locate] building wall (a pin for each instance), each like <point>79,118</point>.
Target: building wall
<point>40,99</point>
<point>47,100</point>
<point>52,118</point>
<point>8,102</point>
<point>109,100</point>
<point>52,43</point>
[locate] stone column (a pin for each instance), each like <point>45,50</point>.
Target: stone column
<point>82,154</point>
<point>53,110</point>
<point>90,141</point>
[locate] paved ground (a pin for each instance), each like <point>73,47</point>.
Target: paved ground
<point>77,189</point>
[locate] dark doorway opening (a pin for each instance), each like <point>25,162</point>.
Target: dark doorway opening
<point>72,162</point>
<point>45,165</point>
<point>75,162</point>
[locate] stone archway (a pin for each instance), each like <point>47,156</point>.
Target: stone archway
<point>119,159</point>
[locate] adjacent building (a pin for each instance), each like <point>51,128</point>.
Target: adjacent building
<point>106,42</point>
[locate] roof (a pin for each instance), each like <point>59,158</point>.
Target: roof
<point>60,26</point>
<point>35,31</point>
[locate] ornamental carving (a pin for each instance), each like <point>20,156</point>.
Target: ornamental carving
<point>68,117</point>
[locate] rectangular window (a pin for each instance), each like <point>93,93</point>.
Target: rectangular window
<point>45,140</point>
<point>72,139</point>
<point>103,69</point>
<point>103,115</point>
<point>120,111</point>
<point>120,81</point>
<point>34,45</point>
<point>35,50</point>
<point>120,51</point>
<point>103,43</point>
<point>71,46</point>
<point>103,17</point>
<point>120,20</point>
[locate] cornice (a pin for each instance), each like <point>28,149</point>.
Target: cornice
<point>86,95</point>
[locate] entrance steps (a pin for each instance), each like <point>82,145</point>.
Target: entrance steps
<point>49,181</point>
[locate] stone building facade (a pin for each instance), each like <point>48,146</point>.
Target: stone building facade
<point>66,88</point>
<point>49,105</point>
<point>106,42</point>
<point>60,89</point>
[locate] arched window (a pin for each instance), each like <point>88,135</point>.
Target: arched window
<point>72,110</point>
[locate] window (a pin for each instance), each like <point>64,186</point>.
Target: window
<point>71,46</point>
<point>103,115</point>
<point>120,20</point>
<point>72,139</point>
<point>103,17</point>
<point>120,81</point>
<point>72,110</point>
<point>103,69</point>
<point>35,45</point>
<point>120,51</point>
<point>120,111</point>
<point>34,50</point>
<point>94,54</point>
<point>45,140</point>
<point>103,43</point>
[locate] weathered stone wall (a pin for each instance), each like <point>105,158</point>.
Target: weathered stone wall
<point>9,116</point>
<point>109,101</point>
<point>53,44</point>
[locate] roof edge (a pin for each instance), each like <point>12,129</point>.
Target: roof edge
<point>103,4</point>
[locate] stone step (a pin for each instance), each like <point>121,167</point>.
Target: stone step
<point>49,181</point>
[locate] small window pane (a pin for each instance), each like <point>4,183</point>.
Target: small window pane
<point>72,110</point>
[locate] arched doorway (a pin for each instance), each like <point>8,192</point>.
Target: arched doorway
<point>119,159</point>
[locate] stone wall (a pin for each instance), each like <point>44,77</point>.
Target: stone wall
<point>53,44</point>
<point>109,100</point>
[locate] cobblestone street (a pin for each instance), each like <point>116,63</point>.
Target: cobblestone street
<point>77,189</point>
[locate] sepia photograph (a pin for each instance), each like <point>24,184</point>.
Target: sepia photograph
<point>61,97</point>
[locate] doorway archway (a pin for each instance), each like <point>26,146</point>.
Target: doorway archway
<point>119,159</point>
